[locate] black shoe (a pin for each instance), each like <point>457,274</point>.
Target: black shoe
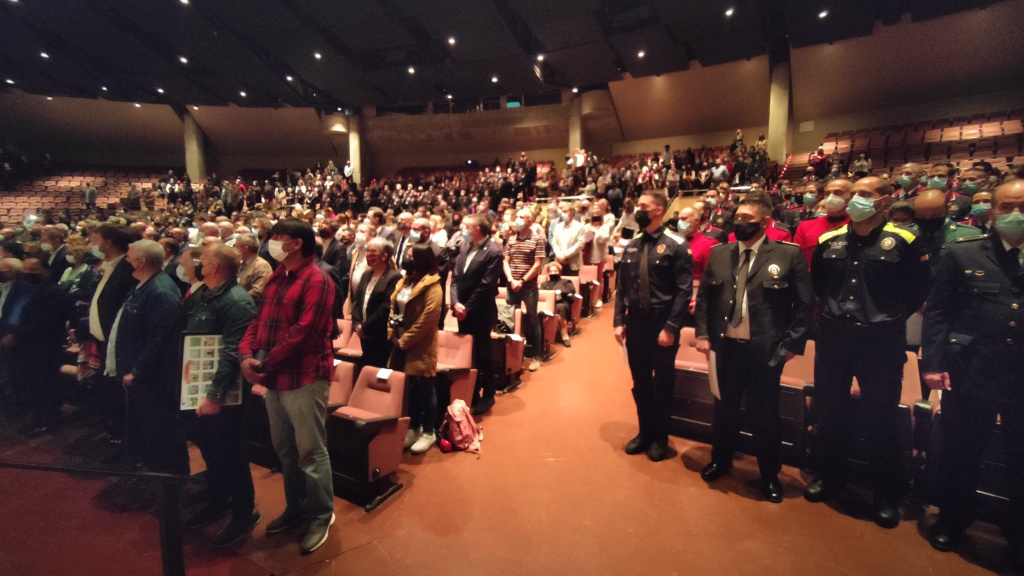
<point>820,490</point>
<point>657,451</point>
<point>566,343</point>
<point>887,515</point>
<point>38,431</point>
<point>637,445</point>
<point>237,528</point>
<point>315,536</point>
<point>772,489</point>
<point>942,536</point>
<point>205,516</point>
<point>285,521</point>
<point>714,471</point>
<point>483,406</point>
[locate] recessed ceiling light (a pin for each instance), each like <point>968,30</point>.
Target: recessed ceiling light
<point>289,78</point>
<point>242,93</point>
<point>640,54</point>
<point>575,90</point>
<point>317,55</point>
<point>137,105</point>
<point>339,108</point>
<point>729,12</point>
<point>540,57</point>
<point>412,70</point>
<point>49,97</point>
<point>160,90</point>
<point>494,79</point>
<point>194,107</point>
<point>449,96</point>
<point>451,40</point>
<point>104,88</point>
<point>185,2</point>
<point>182,59</point>
<point>44,54</point>
<point>823,14</point>
<point>9,81</point>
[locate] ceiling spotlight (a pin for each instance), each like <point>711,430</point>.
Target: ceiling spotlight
<point>823,14</point>
<point>451,40</point>
<point>182,59</point>
<point>194,107</point>
<point>44,55</point>
<point>242,94</point>
<point>640,54</point>
<point>49,97</point>
<point>575,90</point>
<point>540,57</point>
<point>289,78</point>
<point>729,12</point>
<point>185,2</point>
<point>317,55</point>
<point>104,88</point>
<point>9,81</point>
<point>494,79</point>
<point>449,96</point>
<point>137,105</point>
<point>339,108</point>
<point>412,70</point>
<point>160,90</point>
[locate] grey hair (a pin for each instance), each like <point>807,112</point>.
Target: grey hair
<point>384,244</point>
<point>247,241</point>
<point>151,250</point>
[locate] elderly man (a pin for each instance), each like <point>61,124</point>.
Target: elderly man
<point>52,242</point>
<point>223,307</point>
<point>137,356</point>
<point>909,181</point>
<point>567,240</point>
<point>227,233</point>
<point>255,271</point>
<point>401,238</point>
<point>524,256</point>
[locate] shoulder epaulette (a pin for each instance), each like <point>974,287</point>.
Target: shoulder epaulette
<point>831,234</point>
<point>784,242</point>
<point>672,235</point>
<point>972,238</point>
<point>901,232</point>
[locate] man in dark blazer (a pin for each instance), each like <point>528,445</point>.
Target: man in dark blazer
<point>111,241</point>
<point>334,250</point>
<point>52,242</point>
<point>473,292</point>
<point>377,219</point>
<point>752,311</point>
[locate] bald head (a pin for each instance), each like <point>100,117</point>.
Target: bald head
<point>931,205</point>
<point>1008,198</point>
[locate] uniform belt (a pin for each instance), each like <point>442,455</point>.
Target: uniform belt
<point>736,340</point>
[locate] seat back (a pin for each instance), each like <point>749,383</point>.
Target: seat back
<point>588,273</point>
<point>376,395</point>
<point>345,333</point>
<point>911,392</point>
<point>342,380</point>
<point>801,367</point>
<point>454,351</point>
<point>687,356</point>
<point>546,301</point>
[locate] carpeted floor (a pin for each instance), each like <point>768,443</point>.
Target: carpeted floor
<point>552,493</point>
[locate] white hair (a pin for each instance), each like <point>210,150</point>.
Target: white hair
<point>151,250</point>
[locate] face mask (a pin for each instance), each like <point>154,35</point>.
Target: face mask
<point>518,225</point>
<point>930,225</point>
<point>98,253</point>
<point>401,226</point>
<point>408,265</point>
<point>1011,224</point>
<point>466,237</point>
<point>745,230</point>
<point>70,259</point>
<point>19,230</point>
<point>809,199</point>
<point>553,274</point>
<point>783,188</point>
<point>937,183</point>
<point>860,208</point>
<point>643,218</point>
<point>711,202</point>
<point>969,188</point>
<point>834,203</point>
<point>180,273</point>
<point>980,209</point>
<point>553,217</point>
<point>277,252</point>
<point>360,239</point>
<point>373,259</point>
<point>46,247</point>
<point>906,182</point>
<point>683,226</point>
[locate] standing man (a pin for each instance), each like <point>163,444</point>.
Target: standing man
<point>401,237</point>
<point>474,288</point>
<point>524,256</point>
<point>292,331</point>
<point>870,276</point>
<point>222,307</point>
<point>752,311</point>
<point>254,271</point>
<point>837,196</point>
<point>654,286</point>
<point>972,350</point>
<point>89,196</point>
<point>567,240</point>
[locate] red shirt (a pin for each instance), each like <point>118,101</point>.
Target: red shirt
<point>293,326</point>
<point>808,232</point>
<point>701,245</point>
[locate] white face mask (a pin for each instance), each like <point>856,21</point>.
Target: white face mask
<point>834,203</point>
<point>276,248</point>
<point>360,239</point>
<point>46,247</point>
<point>180,273</point>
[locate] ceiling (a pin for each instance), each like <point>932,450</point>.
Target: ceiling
<point>367,47</point>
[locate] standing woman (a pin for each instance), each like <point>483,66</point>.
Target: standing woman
<point>371,300</point>
<point>415,313</point>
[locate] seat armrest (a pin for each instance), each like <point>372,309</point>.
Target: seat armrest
<point>924,420</point>
<point>368,426</point>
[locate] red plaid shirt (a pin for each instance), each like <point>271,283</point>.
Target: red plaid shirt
<point>293,326</point>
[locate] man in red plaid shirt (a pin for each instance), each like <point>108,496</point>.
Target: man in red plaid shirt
<point>292,329</point>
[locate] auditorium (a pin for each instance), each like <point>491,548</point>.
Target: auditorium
<point>505,287</point>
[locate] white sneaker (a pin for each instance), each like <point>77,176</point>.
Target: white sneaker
<point>424,443</point>
<point>534,365</point>
<point>598,304</point>
<point>411,437</point>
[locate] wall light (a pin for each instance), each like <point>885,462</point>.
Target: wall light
<point>317,55</point>
<point>540,57</point>
<point>288,78</point>
<point>729,12</point>
<point>575,90</point>
<point>44,55</point>
<point>160,90</point>
<point>137,105</point>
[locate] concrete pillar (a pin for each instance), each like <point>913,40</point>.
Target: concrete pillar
<point>195,149</point>
<point>575,124</point>
<point>355,148</point>
<point>779,137</point>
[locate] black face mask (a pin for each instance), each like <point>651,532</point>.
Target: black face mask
<point>198,271</point>
<point>745,230</point>
<point>930,225</point>
<point>643,218</point>
<point>408,265</point>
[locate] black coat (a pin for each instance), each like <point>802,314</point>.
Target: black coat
<point>476,287</point>
<point>334,254</point>
<point>332,273</point>
<point>60,263</point>
<point>113,294</point>
<point>375,322</point>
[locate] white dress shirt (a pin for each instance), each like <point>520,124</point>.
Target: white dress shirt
<point>742,330</point>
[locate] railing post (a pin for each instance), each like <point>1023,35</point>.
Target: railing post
<point>171,547</point>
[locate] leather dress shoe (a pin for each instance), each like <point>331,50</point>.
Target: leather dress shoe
<point>483,406</point>
<point>636,445</point>
<point>887,515</point>
<point>657,451</point>
<point>772,489</point>
<point>942,536</point>
<point>820,490</point>
<point>714,471</point>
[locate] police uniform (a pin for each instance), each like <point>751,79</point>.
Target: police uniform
<point>974,331</point>
<point>670,285</point>
<point>722,219</point>
<point>867,286</point>
<point>949,233</point>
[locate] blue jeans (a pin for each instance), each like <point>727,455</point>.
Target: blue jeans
<point>529,294</point>
<point>298,428</point>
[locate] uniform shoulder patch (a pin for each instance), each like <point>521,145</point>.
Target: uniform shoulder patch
<point>972,238</point>
<point>672,235</point>
<point>789,243</point>
<point>901,232</point>
<point>831,234</point>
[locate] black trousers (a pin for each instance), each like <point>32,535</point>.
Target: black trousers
<point>967,425</point>
<point>530,295</point>
<point>483,356</point>
<point>875,356</point>
<point>376,352</point>
<point>219,439</point>
<point>154,407</point>
<point>743,370</point>
<point>654,373</point>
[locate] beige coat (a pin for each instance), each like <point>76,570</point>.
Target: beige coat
<point>416,352</point>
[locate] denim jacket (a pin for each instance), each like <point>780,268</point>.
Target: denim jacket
<point>225,310</point>
<point>146,322</point>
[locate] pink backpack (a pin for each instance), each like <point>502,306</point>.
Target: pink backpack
<point>459,430</point>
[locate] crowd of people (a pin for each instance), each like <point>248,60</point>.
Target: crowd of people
<point>269,267</point>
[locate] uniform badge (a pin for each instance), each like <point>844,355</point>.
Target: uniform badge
<point>774,270</point>
<point>888,244</point>
<point>979,272</point>
<point>661,249</point>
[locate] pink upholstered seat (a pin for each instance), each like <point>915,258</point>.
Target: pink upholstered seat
<point>375,397</point>
<point>455,361</point>
<point>341,385</point>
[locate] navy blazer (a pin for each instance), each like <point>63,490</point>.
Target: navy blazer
<point>476,286</point>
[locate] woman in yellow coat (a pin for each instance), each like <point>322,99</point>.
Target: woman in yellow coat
<point>413,331</point>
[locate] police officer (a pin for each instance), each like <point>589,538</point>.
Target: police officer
<point>752,310</point>
<point>935,229</point>
<point>654,286</point>
<point>869,276</point>
<point>973,349</point>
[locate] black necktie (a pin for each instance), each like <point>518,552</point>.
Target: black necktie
<point>645,278</point>
<point>741,289</point>
<point>1014,254</point>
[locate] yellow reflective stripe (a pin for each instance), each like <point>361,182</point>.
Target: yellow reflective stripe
<point>831,234</point>
<point>905,234</point>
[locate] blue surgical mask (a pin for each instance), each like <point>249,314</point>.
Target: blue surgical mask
<point>980,209</point>
<point>809,199</point>
<point>861,208</point>
<point>937,183</point>
<point>906,182</point>
<point>969,188</point>
<point>1011,224</point>
<point>415,236</point>
<point>683,226</point>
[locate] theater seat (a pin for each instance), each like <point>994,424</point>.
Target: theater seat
<point>548,322</point>
<point>455,364</point>
<point>508,351</point>
<point>588,280</point>
<point>344,335</point>
<point>341,385</point>
<point>365,438</point>
<point>352,349</point>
